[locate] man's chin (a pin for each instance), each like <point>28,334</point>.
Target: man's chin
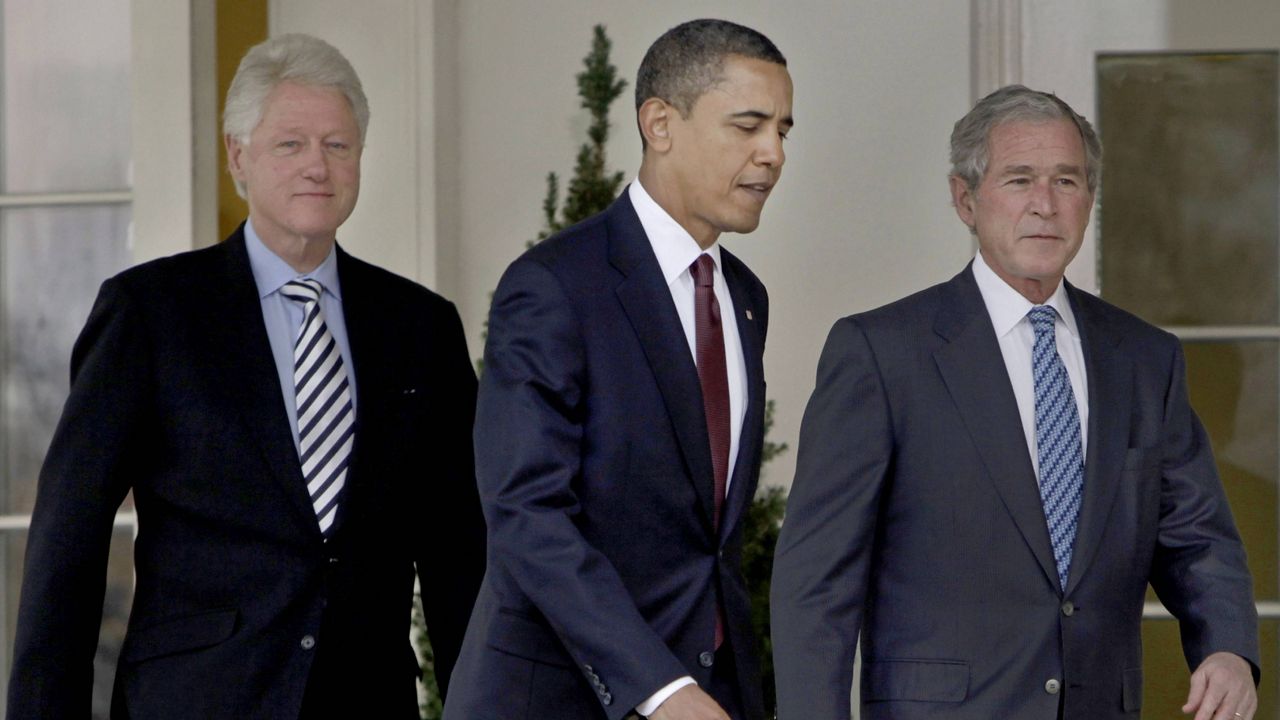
<point>742,225</point>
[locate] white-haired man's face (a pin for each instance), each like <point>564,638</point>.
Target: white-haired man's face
<point>301,166</point>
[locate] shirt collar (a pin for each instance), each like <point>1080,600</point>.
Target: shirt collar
<point>270,271</point>
<point>675,247</point>
<point>1007,307</point>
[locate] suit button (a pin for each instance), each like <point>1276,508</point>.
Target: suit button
<point>308,642</point>
<point>1068,608</point>
<point>1052,686</point>
<point>607,699</point>
<point>705,659</point>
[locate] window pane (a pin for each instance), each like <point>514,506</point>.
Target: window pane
<point>115,612</point>
<point>52,261</point>
<point>66,95</point>
<point>1234,390</point>
<point>1165,675</point>
<point>1190,201</point>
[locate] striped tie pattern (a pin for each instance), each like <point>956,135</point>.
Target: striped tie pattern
<point>325,416</point>
<point>1057,439</point>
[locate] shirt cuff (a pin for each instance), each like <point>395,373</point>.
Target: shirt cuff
<point>650,706</point>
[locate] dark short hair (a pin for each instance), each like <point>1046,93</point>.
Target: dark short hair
<point>689,59</point>
<point>972,133</point>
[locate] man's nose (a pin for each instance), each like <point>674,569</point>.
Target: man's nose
<point>315,164</point>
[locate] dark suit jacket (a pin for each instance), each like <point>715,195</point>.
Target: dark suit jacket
<point>915,519</point>
<point>239,603</point>
<point>595,476</point>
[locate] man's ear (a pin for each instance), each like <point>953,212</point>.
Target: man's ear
<point>655,116</point>
<point>962,198</point>
<point>235,157</point>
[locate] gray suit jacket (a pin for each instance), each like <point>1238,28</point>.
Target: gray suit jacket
<point>915,521</point>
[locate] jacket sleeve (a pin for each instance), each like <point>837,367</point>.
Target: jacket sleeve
<point>85,477</point>
<point>823,559</point>
<point>529,441</point>
<point>1199,570</point>
<point>451,563</point>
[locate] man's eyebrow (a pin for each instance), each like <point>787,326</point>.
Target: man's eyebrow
<point>1060,169</point>
<point>761,115</point>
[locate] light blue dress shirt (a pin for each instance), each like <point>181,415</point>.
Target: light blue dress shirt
<point>284,316</point>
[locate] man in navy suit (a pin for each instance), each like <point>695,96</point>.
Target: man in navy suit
<point>991,472</point>
<point>295,426</point>
<point>620,418</point>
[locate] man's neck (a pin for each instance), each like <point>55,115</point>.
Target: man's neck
<point>302,253</point>
<point>667,199</point>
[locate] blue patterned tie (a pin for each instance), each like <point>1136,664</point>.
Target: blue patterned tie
<point>1057,440</point>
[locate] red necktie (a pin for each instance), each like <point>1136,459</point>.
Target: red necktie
<point>714,379</point>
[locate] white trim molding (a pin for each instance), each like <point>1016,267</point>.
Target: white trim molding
<point>996,58</point>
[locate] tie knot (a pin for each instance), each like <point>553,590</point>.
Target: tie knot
<point>704,271</point>
<point>302,290</point>
<point>1042,317</point>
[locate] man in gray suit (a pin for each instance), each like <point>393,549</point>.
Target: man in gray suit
<point>992,470</point>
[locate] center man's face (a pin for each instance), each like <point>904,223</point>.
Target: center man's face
<point>1033,203</point>
<point>727,155</point>
<point>301,167</point>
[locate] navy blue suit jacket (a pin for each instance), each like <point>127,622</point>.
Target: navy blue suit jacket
<point>915,521</point>
<point>241,609</point>
<point>595,477</point>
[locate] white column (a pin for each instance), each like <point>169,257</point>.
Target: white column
<point>174,142</point>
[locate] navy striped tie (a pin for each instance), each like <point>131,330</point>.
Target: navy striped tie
<point>1057,440</point>
<point>325,416</point>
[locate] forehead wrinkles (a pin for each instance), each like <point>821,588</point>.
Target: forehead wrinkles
<point>1018,138</point>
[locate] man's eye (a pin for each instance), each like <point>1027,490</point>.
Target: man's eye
<point>747,128</point>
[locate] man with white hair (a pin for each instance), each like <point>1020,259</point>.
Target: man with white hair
<point>294,425</point>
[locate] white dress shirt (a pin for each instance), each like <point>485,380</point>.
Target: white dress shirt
<point>677,250</point>
<point>1008,310</point>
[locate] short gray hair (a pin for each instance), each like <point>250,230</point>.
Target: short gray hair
<point>296,58</point>
<point>1013,103</point>
<point>689,59</point>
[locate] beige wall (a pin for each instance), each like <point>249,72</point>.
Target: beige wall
<point>861,217</point>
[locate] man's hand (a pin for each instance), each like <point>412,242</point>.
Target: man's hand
<point>1222,689</point>
<point>691,703</point>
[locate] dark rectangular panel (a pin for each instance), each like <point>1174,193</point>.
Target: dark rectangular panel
<point>1190,197</point>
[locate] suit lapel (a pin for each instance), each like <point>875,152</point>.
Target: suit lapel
<point>749,333</point>
<point>973,369</point>
<point>1110,389</point>
<point>238,338</point>
<point>646,300</point>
